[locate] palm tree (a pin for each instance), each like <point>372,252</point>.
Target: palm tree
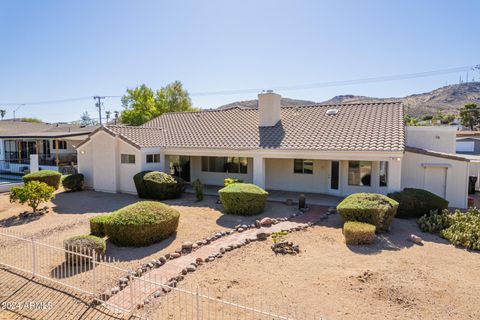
<point>2,113</point>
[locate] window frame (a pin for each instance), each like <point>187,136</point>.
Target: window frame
<point>303,165</point>
<point>212,163</point>
<point>360,177</point>
<point>155,157</point>
<point>126,158</point>
<point>62,144</point>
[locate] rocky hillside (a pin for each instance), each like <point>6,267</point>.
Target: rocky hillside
<point>447,99</point>
<point>254,103</point>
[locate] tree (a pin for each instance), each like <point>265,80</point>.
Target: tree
<point>107,115</point>
<point>85,119</point>
<point>470,116</point>
<point>3,113</point>
<point>142,104</point>
<point>410,121</point>
<point>34,120</point>
<point>33,193</point>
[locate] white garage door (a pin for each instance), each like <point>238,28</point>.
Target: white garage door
<point>436,180</point>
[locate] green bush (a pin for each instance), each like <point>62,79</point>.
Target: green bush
<point>142,224</point>
<point>459,228</point>
<point>243,199</point>
<point>198,188</point>
<point>414,203</point>
<point>372,208</point>
<point>229,181</point>
<point>140,184</point>
<point>73,182</point>
<point>33,194</point>
<point>83,245</point>
<point>50,177</point>
<point>97,225</point>
<point>158,185</point>
<point>358,232</point>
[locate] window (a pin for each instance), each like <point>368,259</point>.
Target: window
<point>62,145</point>
<point>225,164</point>
<point>465,146</point>
<point>359,173</point>
<point>303,166</point>
<point>383,172</point>
<point>127,158</point>
<point>153,158</point>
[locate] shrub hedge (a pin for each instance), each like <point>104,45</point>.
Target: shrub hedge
<point>373,208</point>
<point>97,225</point>
<point>243,199</point>
<point>50,177</point>
<point>229,181</point>
<point>73,182</point>
<point>158,185</point>
<point>358,232</point>
<point>142,224</point>
<point>460,228</point>
<point>414,203</point>
<point>83,245</point>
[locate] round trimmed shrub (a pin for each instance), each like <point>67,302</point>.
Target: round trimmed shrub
<point>142,224</point>
<point>243,199</point>
<point>97,225</point>
<point>83,245</point>
<point>372,208</point>
<point>73,182</point>
<point>415,203</point>
<point>50,177</point>
<point>158,185</point>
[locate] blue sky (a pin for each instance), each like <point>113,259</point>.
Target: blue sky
<point>66,49</point>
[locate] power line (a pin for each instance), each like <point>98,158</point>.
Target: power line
<point>281,88</point>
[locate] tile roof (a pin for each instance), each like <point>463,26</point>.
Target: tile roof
<point>141,137</point>
<point>356,127</point>
<point>21,129</point>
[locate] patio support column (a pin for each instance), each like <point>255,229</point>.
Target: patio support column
<point>163,163</point>
<point>56,152</point>
<point>259,171</point>
<point>395,175</point>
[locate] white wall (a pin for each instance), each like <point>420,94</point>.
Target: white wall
<point>279,175</point>
<point>435,138</point>
<point>413,176</point>
<point>216,178</point>
<point>85,164</point>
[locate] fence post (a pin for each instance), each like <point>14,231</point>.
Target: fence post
<point>94,277</point>
<point>130,284</point>
<point>34,260</point>
<point>198,304</point>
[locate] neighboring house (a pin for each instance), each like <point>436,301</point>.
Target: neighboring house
<point>330,149</point>
<point>468,142</point>
<point>54,144</point>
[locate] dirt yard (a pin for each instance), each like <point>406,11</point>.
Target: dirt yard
<point>392,279</point>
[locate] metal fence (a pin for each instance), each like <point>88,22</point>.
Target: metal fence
<point>147,296</point>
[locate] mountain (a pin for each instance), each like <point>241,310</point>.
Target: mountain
<point>254,103</point>
<point>447,99</point>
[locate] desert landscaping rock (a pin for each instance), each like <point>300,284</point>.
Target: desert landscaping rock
<point>266,222</point>
<point>191,268</point>
<point>416,239</point>
<point>175,255</point>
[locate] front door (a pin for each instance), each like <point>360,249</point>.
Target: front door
<point>334,178</point>
<point>180,167</point>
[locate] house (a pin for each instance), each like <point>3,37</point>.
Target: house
<point>328,149</point>
<point>468,142</point>
<point>54,144</point>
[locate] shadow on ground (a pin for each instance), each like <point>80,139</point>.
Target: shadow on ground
<point>20,220</point>
<point>136,253</point>
<point>90,202</point>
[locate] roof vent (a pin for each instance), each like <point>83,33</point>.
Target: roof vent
<point>332,112</point>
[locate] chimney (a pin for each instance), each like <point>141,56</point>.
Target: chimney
<point>268,108</point>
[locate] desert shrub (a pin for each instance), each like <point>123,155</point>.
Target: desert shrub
<point>33,194</point>
<point>229,181</point>
<point>414,203</point>
<point>158,185</point>
<point>50,177</point>
<point>142,223</point>
<point>83,245</point>
<point>435,222</point>
<point>198,188</point>
<point>358,232</point>
<point>243,199</point>
<point>373,208</point>
<point>459,228</point>
<point>73,182</point>
<point>97,225</point>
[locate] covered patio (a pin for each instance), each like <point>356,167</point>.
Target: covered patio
<point>282,196</point>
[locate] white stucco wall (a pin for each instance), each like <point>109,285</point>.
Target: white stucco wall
<point>216,178</point>
<point>414,173</point>
<point>279,175</point>
<point>85,164</point>
<point>435,138</point>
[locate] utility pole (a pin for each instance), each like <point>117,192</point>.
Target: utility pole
<point>15,110</point>
<point>98,104</point>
